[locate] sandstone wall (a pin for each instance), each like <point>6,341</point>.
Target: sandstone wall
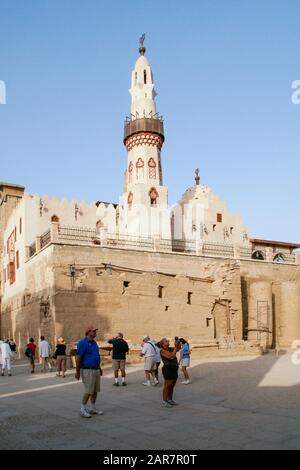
<point>31,311</point>
<point>279,286</point>
<point>146,293</point>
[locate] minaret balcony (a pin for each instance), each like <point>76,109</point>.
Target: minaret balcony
<point>135,126</point>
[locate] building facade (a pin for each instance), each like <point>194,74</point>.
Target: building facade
<point>140,265</point>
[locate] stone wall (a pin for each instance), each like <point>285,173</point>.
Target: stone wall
<point>146,293</point>
<point>31,310</point>
<point>272,293</point>
<point>209,301</point>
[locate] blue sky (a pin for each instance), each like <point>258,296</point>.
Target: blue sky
<point>223,71</point>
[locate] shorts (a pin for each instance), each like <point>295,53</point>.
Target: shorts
<point>150,363</point>
<point>91,380</point>
<point>118,364</point>
<point>185,362</point>
<point>170,373</point>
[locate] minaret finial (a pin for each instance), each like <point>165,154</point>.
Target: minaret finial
<point>142,49</point>
<point>197,177</point>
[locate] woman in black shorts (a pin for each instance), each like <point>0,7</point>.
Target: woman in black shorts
<point>169,370</point>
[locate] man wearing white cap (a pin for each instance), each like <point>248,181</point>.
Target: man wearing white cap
<point>149,352</point>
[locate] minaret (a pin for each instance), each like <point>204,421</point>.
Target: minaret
<point>143,139</point>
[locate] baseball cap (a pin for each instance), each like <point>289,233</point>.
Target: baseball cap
<point>145,337</point>
<point>90,328</point>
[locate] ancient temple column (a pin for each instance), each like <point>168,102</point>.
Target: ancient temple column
<point>289,319</point>
<point>260,322</point>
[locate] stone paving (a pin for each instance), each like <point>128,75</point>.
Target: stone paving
<point>233,403</point>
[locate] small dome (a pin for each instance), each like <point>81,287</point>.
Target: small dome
<point>195,192</point>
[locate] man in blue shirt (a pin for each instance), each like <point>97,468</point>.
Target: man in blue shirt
<point>88,367</point>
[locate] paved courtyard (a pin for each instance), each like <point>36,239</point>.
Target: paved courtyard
<point>233,403</point>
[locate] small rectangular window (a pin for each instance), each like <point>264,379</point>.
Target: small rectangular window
<point>219,217</point>
<point>17,259</point>
<point>189,298</point>
<point>15,231</point>
<point>214,227</point>
<point>160,291</point>
<point>126,284</point>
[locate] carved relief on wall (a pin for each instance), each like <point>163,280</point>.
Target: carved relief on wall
<point>152,168</point>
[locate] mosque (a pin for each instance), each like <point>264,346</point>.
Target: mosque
<point>141,266</point>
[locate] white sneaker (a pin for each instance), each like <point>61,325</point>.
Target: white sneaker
<point>148,383</point>
<point>186,382</point>
<point>94,411</point>
<point>85,414</point>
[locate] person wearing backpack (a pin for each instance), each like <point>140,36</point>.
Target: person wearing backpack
<point>30,353</point>
<point>149,353</point>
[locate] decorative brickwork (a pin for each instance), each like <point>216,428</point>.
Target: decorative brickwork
<point>144,138</point>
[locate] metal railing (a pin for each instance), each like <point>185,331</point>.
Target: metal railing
<point>152,125</point>
<point>78,234</point>
<point>45,238</point>
<point>218,249</point>
<point>129,242</point>
<point>87,236</point>
<point>32,249</point>
<point>183,246</point>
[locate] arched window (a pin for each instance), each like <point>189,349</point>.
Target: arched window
<point>139,168</point>
<point>152,168</point>
<point>279,258</point>
<point>145,77</point>
<point>153,194</point>
<point>130,168</point>
<point>130,199</point>
<point>257,255</point>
